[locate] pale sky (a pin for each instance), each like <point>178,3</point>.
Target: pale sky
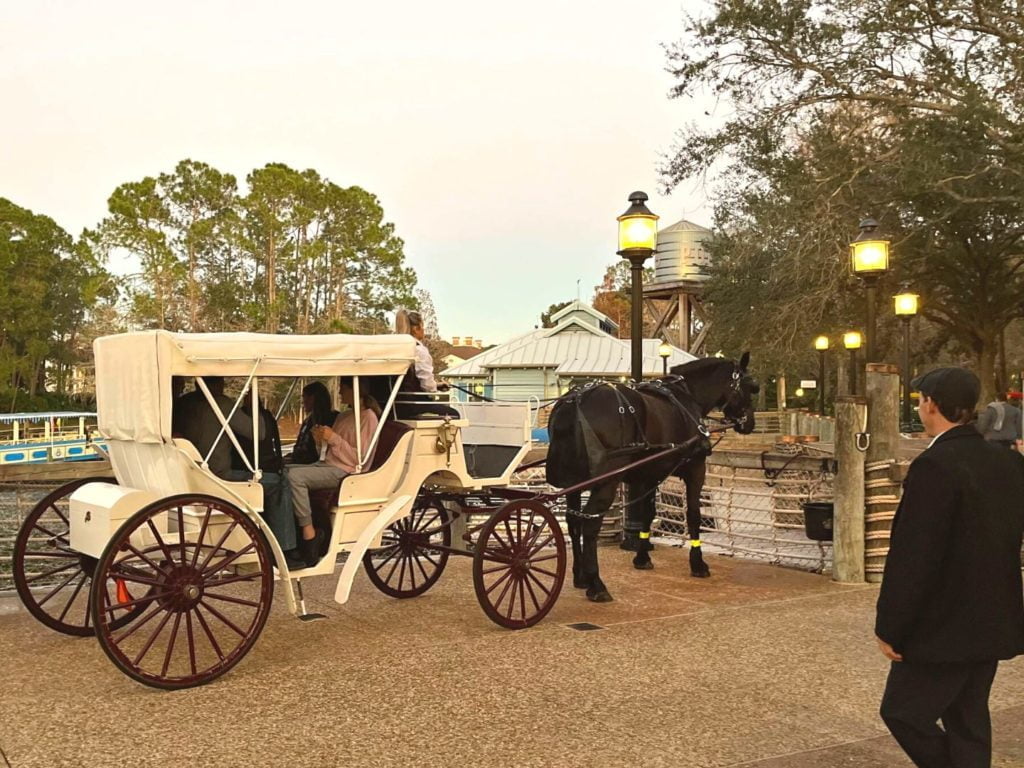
<point>502,139</point>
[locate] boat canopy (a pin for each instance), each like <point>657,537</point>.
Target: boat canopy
<point>134,370</point>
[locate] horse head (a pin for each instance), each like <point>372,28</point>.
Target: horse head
<point>723,384</point>
<point>738,404</point>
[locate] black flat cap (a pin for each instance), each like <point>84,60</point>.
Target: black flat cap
<point>956,387</point>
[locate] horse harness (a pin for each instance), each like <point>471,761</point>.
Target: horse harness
<point>595,448</point>
<point>657,387</point>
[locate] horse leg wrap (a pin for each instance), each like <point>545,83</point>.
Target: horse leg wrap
<point>644,543</point>
<point>694,543</point>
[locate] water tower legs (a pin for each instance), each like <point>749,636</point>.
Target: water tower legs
<point>677,315</point>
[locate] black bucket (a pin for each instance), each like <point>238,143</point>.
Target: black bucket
<point>818,520</point>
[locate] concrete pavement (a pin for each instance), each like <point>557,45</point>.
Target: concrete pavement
<point>757,666</point>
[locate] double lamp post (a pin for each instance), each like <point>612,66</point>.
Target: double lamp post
<point>869,261</point>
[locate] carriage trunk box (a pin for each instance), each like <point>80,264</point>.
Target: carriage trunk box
<point>99,509</point>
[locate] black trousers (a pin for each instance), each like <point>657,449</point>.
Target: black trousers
<point>917,696</point>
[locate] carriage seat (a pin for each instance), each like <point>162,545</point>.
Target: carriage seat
<point>208,483</point>
<point>323,500</point>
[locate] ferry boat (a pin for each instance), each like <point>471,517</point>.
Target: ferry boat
<point>36,438</point>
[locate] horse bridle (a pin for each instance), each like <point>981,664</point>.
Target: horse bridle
<point>735,387</point>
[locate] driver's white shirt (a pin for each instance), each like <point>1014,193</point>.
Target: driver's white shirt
<point>425,368</point>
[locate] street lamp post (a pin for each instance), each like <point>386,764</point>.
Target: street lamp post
<point>906,307</point>
<point>664,352</point>
<point>869,260</point>
<point>821,344</point>
<point>638,236</point>
<point>852,341</point>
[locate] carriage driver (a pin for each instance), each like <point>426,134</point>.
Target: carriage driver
<point>340,459</point>
<point>420,376</point>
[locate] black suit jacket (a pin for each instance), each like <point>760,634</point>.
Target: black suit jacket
<point>952,591</point>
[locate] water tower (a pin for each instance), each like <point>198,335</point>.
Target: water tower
<point>674,297</point>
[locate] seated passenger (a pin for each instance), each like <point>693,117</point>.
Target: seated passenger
<point>277,499</point>
<point>193,419</point>
<point>340,460</point>
<point>316,401</point>
<point>419,379</point>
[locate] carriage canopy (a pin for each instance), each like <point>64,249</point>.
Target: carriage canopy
<point>134,370</point>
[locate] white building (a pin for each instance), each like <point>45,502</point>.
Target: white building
<point>546,362</point>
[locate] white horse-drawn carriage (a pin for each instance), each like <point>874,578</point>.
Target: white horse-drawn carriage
<point>173,568</point>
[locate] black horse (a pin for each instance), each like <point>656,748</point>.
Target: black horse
<point>602,427</point>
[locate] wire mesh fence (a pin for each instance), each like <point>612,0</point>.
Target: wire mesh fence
<point>750,509</point>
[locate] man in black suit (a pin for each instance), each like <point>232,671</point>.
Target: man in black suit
<point>951,603</point>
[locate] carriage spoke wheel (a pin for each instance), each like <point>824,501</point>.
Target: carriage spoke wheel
<point>519,564</point>
<point>204,597</point>
<point>407,563</point>
<point>53,581</point>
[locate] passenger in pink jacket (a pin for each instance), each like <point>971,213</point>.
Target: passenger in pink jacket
<point>340,459</point>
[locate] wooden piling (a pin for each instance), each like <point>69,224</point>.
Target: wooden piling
<point>882,485</point>
<point>848,522</point>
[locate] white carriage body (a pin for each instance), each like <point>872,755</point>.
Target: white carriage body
<point>134,404</point>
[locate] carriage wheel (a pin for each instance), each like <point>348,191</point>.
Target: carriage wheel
<point>51,578</point>
<point>519,565</point>
<point>405,564</point>
<point>205,607</point>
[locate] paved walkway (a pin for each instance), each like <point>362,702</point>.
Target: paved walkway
<point>758,666</point>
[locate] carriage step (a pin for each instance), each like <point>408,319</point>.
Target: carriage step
<point>584,626</point>
<point>311,616</point>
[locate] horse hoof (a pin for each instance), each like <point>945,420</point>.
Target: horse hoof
<point>644,565</point>
<point>600,596</point>
<point>703,573</point>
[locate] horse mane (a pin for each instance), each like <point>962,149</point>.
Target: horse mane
<point>700,365</point>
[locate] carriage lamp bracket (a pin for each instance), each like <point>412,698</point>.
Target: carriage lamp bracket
<point>446,439</point>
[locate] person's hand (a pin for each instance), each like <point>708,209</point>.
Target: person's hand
<point>321,433</point>
<point>442,387</point>
<point>888,651</point>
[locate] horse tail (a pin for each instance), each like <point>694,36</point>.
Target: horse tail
<point>567,462</point>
